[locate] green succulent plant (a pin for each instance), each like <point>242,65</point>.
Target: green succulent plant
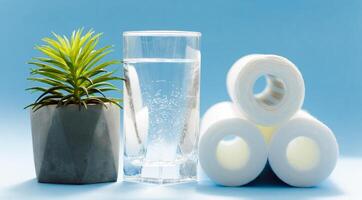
<point>72,72</point>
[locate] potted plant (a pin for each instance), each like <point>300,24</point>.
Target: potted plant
<point>75,126</point>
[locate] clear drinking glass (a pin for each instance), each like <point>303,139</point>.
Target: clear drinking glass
<point>161,105</point>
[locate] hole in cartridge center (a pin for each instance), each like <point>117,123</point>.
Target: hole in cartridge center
<point>269,91</point>
<point>232,152</point>
<point>303,153</point>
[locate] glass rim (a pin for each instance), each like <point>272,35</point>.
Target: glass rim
<point>162,33</point>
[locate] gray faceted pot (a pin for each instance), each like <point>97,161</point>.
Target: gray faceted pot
<point>75,145</point>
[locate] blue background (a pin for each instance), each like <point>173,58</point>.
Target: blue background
<point>323,38</point>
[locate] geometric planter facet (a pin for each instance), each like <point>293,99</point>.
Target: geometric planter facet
<point>75,145</point>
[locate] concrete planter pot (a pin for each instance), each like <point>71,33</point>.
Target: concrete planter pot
<point>75,146</point>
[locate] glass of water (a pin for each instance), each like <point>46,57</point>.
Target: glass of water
<point>161,105</point>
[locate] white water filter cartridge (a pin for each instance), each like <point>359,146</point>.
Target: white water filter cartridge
<point>303,152</point>
<point>282,97</point>
<point>232,151</point>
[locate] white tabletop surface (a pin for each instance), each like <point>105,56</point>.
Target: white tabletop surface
<point>17,181</point>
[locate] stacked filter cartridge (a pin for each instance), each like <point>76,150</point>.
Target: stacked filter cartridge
<point>239,137</point>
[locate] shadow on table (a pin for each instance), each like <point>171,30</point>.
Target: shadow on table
<point>266,186</point>
<point>31,188</point>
